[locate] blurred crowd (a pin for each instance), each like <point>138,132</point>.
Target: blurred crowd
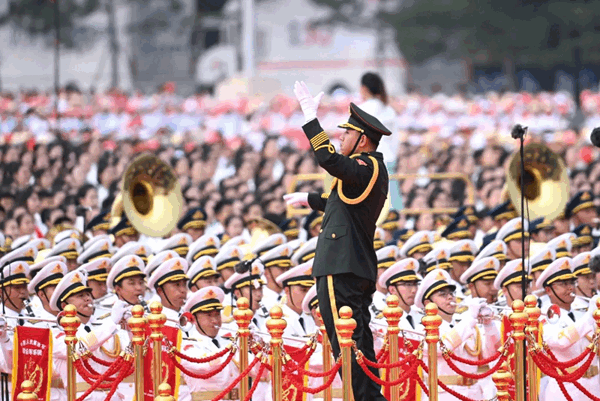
<point>236,158</point>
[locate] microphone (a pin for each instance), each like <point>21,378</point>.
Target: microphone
<point>518,131</point>
<point>595,137</point>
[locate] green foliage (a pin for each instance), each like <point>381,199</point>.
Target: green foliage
<point>490,31</point>
<point>36,19</point>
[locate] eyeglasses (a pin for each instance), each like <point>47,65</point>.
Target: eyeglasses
<point>408,284</point>
<point>565,283</point>
<point>445,293</point>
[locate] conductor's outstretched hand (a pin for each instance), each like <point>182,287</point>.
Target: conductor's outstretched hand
<point>308,104</point>
<point>296,199</point>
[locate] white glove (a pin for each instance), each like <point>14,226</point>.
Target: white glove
<point>296,199</point>
<point>118,311</point>
<point>475,305</point>
<point>308,104</point>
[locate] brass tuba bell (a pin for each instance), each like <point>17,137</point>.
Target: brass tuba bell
<point>151,197</point>
<point>546,182</point>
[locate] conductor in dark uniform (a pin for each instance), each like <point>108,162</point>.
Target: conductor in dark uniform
<point>345,264</point>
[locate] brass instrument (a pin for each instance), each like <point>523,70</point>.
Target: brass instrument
<point>150,197</point>
<point>546,182</point>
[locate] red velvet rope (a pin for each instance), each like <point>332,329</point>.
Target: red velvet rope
<point>236,381</point>
<point>385,350</point>
<point>454,393</point>
<point>476,376</point>
<point>207,359</point>
<point>586,392</point>
<point>93,386</point>
<point>569,363</point>
<point>421,384</point>
<point>92,372</point>
<point>545,365</point>
<point>411,371</point>
<point>325,385</point>
<point>577,384</point>
<point>124,373</point>
<point>91,378</point>
<point>382,357</point>
<point>203,376</point>
<point>255,384</point>
<point>480,362</point>
<point>398,364</point>
<point>330,372</point>
<point>300,350</point>
<point>99,361</point>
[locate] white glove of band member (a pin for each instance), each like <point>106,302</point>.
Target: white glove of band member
<point>118,311</point>
<point>296,199</point>
<point>308,104</point>
<point>475,306</point>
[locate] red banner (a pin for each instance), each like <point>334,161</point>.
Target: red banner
<point>290,380</point>
<point>170,374</point>
<point>407,390</point>
<point>32,360</point>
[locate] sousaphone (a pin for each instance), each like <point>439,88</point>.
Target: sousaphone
<point>150,197</point>
<point>546,182</point>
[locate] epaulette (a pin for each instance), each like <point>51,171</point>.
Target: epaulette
<point>265,312</point>
<point>103,316</point>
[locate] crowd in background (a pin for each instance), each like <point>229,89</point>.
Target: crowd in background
<point>236,158</point>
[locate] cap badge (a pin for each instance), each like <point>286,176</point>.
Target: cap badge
<point>57,269</point>
<point>132,262</point>
<point>210,294</point>
<point>76,278</point>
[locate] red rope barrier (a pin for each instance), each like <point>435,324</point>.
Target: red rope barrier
<point>567,364</point>
<point>325,385</point>
<point>586,392</point>
<point>124,373</point>
<point>94,358</point>
<point>549,370</point>
<point>576,383</point>
<point>116,365</point>
<point>92,372</point>
<point>401,362</point>
<point>476,376</point>
<point>203,376</point>
<point>309,373</point>
<point>480,362</point>
<point>384,351</point>
<point>207,359</point>
<point>255,384</point>
<point>300,350</point>
<point>236,381</point>
<point>91,378</point>
<point>405,374</point>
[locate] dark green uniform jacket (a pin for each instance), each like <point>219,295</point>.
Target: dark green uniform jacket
<point>345,243</point>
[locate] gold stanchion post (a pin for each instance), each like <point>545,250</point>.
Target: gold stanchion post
<point>501,378</point>
<point>326,345</point>
<point>276,325</point>
<point>156,321</point>
<point>164,393</point>
<point>70,323</point>
<point>27,393</point>
<point>518,320</point>
<point>432,322</point>
<point>243,316</point>
<point>392,313</point>
<point>533,313</point>
<point>137,325</point>
<point>345,326</point>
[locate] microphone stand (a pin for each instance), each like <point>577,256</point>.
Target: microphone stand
<point>518,132</point>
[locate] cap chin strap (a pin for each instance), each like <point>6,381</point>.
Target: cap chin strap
<point>586,295</point>
<point>400,296</point>
<point>167,297</point>
<point>200,327</point>
<point>559,298</point>
<point>356,143</point>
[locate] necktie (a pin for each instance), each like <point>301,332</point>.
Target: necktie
<point>255,321</point>
<point>571,315</point>
<point>21,322</point>
<point>216,342</point>
<point>410,320</point>
<point>87,328</point>
<point>301,320</point>
<point>451,326</point>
